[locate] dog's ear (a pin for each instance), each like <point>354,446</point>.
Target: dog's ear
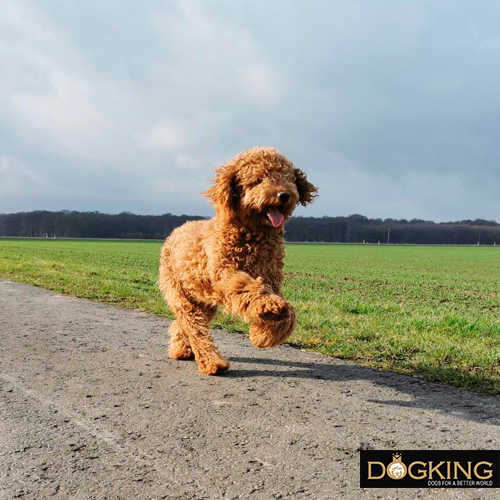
<point>307,192</point>
<point>224,194</point>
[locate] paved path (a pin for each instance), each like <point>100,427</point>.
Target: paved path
<point>92,408</point>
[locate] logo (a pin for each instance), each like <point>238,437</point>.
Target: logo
<point>396,469</point>
<point>430,469</point>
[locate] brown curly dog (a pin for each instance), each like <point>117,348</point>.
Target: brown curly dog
<point>235,259</point>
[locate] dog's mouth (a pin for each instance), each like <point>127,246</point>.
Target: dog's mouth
<point>275,216</point>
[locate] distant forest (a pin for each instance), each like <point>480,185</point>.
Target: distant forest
<point>351,229</point>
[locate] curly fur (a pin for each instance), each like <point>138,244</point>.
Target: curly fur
<point>235,259</point>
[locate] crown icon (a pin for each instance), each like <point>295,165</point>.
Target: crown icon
<point>396,469</point>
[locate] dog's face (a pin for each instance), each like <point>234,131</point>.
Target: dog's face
<point>260,188</point>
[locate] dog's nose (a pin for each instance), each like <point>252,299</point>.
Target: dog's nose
<point>284,196</point>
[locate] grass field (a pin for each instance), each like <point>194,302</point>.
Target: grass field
<point>427,311</point>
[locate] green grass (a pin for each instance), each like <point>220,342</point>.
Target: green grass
<point>427,311</point>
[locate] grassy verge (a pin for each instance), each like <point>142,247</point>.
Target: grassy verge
<point>427,311</point>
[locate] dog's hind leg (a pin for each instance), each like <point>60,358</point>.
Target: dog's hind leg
<point>192,325</point>
<point>180,347</point>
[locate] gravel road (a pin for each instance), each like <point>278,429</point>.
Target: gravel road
<point>92,408</point>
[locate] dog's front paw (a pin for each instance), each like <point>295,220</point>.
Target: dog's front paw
<point>271,308</point>
<point>273,327</point>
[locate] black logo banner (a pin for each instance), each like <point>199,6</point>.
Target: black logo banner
<point>430,469</point>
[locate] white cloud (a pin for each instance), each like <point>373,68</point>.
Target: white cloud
<point>48,97</point>
<point>189,161</point>
<point>66,114</point>
<point>210,62</point>
<point>18,180</point>
<point>261,84</point>
<point>158,189</point>
<point>166,136</point>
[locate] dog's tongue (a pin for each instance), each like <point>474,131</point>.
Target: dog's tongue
<point>275,216</point>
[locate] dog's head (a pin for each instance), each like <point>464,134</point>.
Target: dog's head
<point>260,188</point>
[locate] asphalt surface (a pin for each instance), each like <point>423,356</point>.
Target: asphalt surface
<point>92,408</point>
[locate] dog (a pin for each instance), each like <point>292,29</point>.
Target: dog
<point>235,259</point>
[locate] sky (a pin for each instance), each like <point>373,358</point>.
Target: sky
<point>391,107</point>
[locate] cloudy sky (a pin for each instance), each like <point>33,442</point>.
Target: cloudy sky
<point>391,107</point>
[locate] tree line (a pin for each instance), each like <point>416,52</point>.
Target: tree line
<point>66,224</point>
<point>351,229</point>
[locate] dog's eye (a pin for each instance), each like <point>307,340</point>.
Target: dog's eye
<point>257,181</point>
